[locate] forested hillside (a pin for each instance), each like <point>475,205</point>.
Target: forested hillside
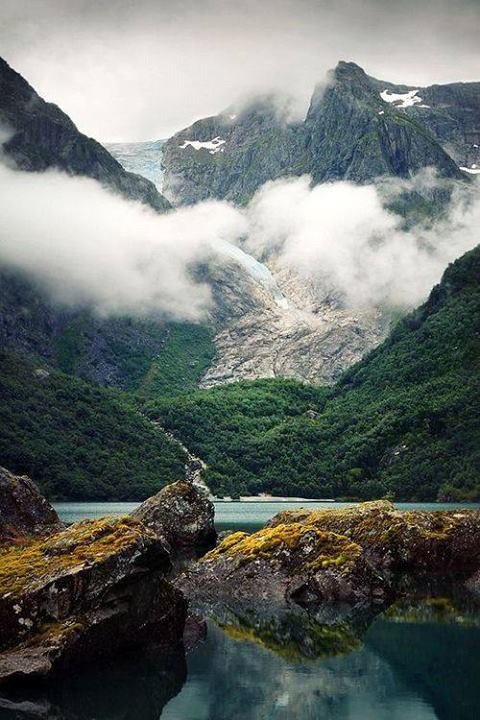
<point>79,441</point>
<point>404,421</point>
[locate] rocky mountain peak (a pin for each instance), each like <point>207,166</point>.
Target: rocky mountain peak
<point>41,136</point>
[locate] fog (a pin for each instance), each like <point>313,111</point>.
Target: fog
<point>87,246</point>
<point>341,235</point>
<point>151,67</point>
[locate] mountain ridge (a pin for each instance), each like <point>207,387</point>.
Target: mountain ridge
<point>349,132</point>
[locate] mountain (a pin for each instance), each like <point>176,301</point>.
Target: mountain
<point>403,421</point>
<point>142,158</point>
<point>40,136</point>
<point>357,128</point>
<point>77,440</point>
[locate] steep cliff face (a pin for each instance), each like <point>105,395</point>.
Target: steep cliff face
<point>284,327</point>
<point>40,136</point>
<point>357,128</point>
<point>230,155</point>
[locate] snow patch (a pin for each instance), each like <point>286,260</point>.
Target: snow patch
<point>213,146</point>
<point>473,169</point>
<point>401,100</point>
<point>257,270</point>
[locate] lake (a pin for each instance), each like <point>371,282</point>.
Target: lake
<point>248,516</point>
<point>416,660</point>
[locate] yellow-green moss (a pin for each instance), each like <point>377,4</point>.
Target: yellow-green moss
<point>328,548</point>
<point>90,541</point>
<point>430,609</point>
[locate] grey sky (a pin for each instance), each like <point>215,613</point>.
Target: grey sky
<point>142,69</point>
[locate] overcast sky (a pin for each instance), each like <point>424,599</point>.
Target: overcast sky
<point>143,69</point>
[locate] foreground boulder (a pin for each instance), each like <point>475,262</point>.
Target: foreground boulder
<point>180,514</point>
<point>288,562</point>
<point>437,541</point>
<point>24,513</point>
<point>82,593</point>
<point>337,554</point>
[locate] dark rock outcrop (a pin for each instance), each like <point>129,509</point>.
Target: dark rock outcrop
<point>180,514</point>
<point>433,541</point>
<point>41,136</point>
<point>24,513</point>
<point>83,593</point>
<point>135,685</point>
<point>357,128</point>
<point>328,555</point>
<point>295,562</point>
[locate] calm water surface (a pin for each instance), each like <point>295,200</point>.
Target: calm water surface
<point>417,660</point>
<point>248,516</point>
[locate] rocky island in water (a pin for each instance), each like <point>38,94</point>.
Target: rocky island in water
<point>139,588</point>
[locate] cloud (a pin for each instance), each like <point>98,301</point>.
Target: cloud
<point>339,236</point>
<point>151,67</point>
<point>88,246</point>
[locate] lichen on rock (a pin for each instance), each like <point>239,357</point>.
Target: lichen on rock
<point>84,592</point>
<point>180,514</point>
<point>24,512</point>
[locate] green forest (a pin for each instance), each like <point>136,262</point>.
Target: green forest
<point>404,422</point>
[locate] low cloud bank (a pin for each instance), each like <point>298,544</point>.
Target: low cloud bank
<point>341,235</point>
<point>90,247</point>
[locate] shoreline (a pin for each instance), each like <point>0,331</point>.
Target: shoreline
<point>271,499</point>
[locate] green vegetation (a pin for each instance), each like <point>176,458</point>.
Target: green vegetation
<point>229,427</point>
<point>77,440</point>
<point>403,422</point>
<point>187,353</point>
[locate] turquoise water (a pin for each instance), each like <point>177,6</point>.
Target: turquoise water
<point>416,660</point>
<point>246,516</point>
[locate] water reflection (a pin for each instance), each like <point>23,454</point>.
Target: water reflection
<point>131,687</point>
<point>418,659</point>
<point>337,663</point>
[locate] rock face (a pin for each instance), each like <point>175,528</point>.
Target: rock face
<point>327,555</point>
<point>82,593</point>
<point>357,128</point>
<point>286,329</point>
<point>295,562</point>
<point>24,513</point>
<point>40,136</point>
<point>181,514</point>
<point>437,541</point>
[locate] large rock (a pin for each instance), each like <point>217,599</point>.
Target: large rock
<point>438,541</point>
<point>295,562</point>
<point>181,514</point>
<point>338,554</point>
<point>24,512</point>
<point>87,591</point>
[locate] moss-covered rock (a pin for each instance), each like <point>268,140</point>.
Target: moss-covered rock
<point>294,561</point>
<point>180,514</point>
<point>24,513</point>
<point>84,592</point>
<point>438,541</point>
